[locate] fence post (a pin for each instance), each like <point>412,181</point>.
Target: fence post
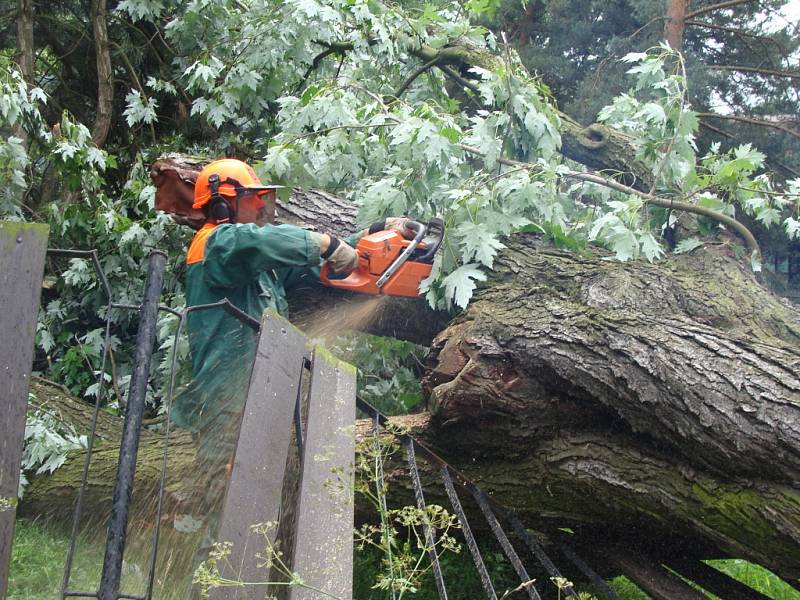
<point>22,252</point>
<point>254,491</point>
<point>129,446</point>
<point>323,552</point>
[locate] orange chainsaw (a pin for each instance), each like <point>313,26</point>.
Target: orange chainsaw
<point>389,264</point>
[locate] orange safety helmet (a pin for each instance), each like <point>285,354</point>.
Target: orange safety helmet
<point>227,177</point>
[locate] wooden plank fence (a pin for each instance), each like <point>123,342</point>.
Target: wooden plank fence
<point>22,252</point>
<point>315,512</point>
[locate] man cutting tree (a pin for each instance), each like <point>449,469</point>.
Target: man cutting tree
<point>239,254</point>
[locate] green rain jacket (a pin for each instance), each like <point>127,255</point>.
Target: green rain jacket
<point>250,266</point>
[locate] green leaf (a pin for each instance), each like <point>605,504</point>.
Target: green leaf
<point>768,216</point>
<point>650,247</point>
<point>460,284</point>
<point>478,242</point>
<point>792,228</point>
<point>633,57</point>
<point>687,245</point>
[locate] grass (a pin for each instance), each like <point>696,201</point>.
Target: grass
<point>37,562</point>
<point>756,577</point>
<point>39,551</point>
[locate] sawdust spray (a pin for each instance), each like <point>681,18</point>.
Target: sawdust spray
<point>357,314</point>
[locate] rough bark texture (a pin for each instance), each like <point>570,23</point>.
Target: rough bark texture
<point>675,23</point>
<point>611,398</point>
<point>105,84</point>
<point>668,394</point>
<point>625,400</point>
<point>24,55</point>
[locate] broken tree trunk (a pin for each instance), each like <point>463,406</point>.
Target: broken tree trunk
<point>629,400</point>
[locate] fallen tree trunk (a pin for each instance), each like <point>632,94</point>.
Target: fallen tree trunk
<point>662,399</point>
<point>586,393</point>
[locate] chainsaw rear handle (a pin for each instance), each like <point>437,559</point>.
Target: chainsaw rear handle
<point>435,226</point>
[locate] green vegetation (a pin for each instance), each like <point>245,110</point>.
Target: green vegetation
<point>39,551</point>
<point>37,562</point>
<point>757,577</point>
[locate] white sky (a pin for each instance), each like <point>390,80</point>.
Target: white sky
<point>792,11</point>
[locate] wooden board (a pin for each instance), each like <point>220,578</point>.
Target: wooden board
<point>254,492</point>
<point>323,555</point>
<point>22,252</point>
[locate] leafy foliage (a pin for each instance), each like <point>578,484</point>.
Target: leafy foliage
<point>47,441</point>
<point>388,370</point>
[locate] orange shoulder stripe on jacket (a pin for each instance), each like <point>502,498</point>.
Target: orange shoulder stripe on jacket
<point>197,249</point>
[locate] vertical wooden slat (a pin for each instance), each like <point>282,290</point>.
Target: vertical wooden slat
<point>22,252</point>
<point>254,492</point>
<point>323,555</point>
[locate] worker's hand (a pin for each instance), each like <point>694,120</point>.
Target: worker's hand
<point>342,258</point>
<point>398,224</point>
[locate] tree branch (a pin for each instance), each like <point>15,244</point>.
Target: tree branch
<point>774,165</point>
<point>713,7</point>
<point>740,32</point>
<point>743,69</point>
<point>315,63</point>
<point>414,75</point>
<point>743,232</point>
<point>751,121</point>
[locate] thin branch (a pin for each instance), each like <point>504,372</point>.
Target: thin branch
<point>717,130</point>
<point>750,121</point>
<point>452,74</point>
<point>136,82</point>
<point>740,32</point>
<point>713,7</point>
<point>329,129</point>
<point>771,162</point>
<point>414,75</point>
<point>743,69</point>
<point>314,64</point>
<point>743,232</point>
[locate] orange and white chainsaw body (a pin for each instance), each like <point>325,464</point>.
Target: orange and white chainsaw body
<point>377,254</point>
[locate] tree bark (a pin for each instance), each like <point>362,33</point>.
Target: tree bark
<point>105,82</point>
<point>665,393</point>
<point>675,23</point>
<point>24,55</point>
<point>602,396</point>
<point>25,39</point>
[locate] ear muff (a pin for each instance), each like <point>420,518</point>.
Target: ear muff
<point>218,207</point>
<point>220,211</point>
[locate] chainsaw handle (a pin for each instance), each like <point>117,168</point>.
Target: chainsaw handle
<point>435,226</point>
<point>415,226</point>
<point>325,273</point>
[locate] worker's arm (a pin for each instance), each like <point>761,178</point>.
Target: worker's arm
<point>236,254</point>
